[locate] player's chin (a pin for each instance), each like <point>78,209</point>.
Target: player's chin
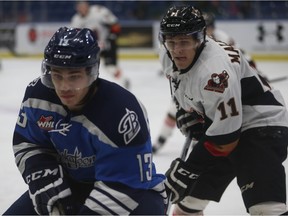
<point>68,102</point>
<point>181,64</point>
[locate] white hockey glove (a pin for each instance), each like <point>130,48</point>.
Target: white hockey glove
<point>190,124</point>
<point>180,179</point>
<point>49,191</point>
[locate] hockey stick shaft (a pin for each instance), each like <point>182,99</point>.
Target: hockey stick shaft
<point>185,148</point>
<point>183,156</point>
<point>277,79</point>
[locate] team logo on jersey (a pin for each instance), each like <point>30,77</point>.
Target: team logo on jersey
<point>46,123</point>
<point>76,160</point>
<point>218,82</point>
<point>129,126</point>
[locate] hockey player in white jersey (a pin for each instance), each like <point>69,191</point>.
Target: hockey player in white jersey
<point>107,29</point>
<point>243,120</point>
<point>169,122</point>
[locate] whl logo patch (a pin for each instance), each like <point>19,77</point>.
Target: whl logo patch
<point>46,123</point>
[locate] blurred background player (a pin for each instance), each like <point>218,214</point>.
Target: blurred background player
<point>220,35</point>
<point>169,122</point>
<point>214,32</point>
<point>107,29</point>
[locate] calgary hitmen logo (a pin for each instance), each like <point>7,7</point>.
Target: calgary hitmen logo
<point>218,82</point>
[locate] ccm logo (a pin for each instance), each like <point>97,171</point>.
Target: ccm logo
<point>247,187</point>
<point>59,56</point>
<point>173,25</point>
<point>187,173</point>
<point>41,174</point>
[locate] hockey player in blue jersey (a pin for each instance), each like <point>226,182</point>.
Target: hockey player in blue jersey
<point>82,143</point>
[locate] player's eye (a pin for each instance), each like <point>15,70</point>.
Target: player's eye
<point>56,76</point>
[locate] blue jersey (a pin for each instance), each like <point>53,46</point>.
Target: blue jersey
<point>107,141</point>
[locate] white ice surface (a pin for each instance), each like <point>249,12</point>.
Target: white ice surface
<point>147,85</point>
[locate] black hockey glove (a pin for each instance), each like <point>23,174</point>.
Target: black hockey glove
<point>180,179</point>
<point>49,191</point>
<point>190,124</point>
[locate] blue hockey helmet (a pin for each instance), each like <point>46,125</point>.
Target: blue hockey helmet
<point>186,20</point>
<point>71,48</point>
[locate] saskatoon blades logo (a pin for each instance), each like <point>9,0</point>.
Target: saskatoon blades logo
<point>129,126</point>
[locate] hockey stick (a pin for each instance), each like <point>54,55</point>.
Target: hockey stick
<point>183,155</point>
<point>186,147</point>
<point>277,79</point>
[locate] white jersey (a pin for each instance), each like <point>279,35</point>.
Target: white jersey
<point>223,88</point>
<point>97,19</point>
